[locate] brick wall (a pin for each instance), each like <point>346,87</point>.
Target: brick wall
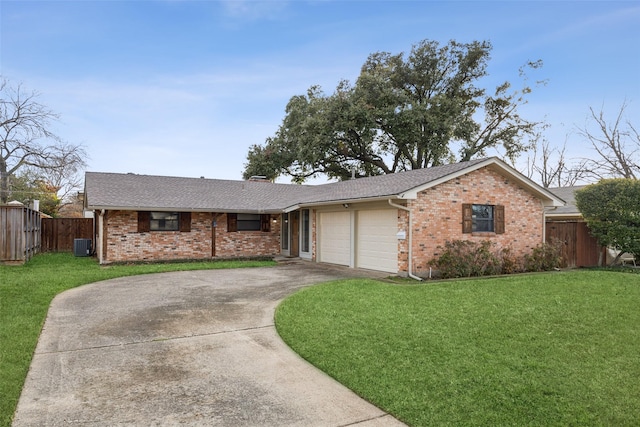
<point>437,216</point>
<point>125,243</point>
<point>403,244</point>
<point>247,243</point>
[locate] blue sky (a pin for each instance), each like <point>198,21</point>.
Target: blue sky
<point>183,88</point>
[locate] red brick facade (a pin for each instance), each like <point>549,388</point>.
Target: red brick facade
<point>437,216</point>
<point>124,242</point>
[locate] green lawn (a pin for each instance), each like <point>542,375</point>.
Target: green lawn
<point>551,349</point>
<point>26,292</point>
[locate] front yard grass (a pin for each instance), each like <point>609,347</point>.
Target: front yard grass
<point>546,349</point>
<point>26,293</point>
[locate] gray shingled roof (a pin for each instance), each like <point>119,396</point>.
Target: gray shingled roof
<point>147,192</point>
<point>568,195</point>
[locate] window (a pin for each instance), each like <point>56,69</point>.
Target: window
<point>248,222</point>
<point>305,230</point>
<point>164,221</point>
<point>482,218</point>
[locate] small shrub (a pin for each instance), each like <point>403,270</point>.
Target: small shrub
<point>544,257</point>
<point>464,258</point>
<point>511,263</point>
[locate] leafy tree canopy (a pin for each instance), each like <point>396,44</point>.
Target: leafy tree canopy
<point>404,112</point>
<point>29,186</point>
<point>612,210</point>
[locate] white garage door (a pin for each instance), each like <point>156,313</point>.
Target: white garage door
<point>377,240</point>
<point>335,237</point>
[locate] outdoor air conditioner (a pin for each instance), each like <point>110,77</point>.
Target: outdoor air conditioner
<point>81,247</point>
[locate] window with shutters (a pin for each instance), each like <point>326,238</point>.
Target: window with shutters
<point>482,218</point>
<point>164,221</point>
<point>248,222</point>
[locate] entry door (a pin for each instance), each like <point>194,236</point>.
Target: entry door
<point>294,233</point>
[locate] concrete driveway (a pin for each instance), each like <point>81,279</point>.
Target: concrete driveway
<point>184,348</point>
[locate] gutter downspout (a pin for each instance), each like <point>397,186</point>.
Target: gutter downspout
<point>409,263</point>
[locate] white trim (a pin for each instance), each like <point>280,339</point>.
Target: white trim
<point>283,224</point>
<point>303,254</point>
<point>352,238</point>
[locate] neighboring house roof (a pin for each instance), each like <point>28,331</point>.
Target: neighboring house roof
<point>146,192</point>
<point>569,210</point>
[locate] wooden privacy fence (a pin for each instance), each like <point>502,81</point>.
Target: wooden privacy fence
<point>58,234</point>
<point>19,234</point>
<point>580,248</point>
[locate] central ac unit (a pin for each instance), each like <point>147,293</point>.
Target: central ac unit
<point>81,247</point>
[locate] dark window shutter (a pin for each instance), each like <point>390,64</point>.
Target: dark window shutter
<point>185,221</point>
<point>498,218</point>
<point>265,223</point>
<point>232,222</point>
<point>467,218</point>
<point>144,222</point>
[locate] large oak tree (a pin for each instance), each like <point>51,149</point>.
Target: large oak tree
<point>404,112</point>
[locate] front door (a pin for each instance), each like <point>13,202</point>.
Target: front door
<point>294,245</point>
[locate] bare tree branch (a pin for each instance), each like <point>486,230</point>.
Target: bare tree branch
<point>550,166</point>
<point>617,144</point>
<point>26,139</point>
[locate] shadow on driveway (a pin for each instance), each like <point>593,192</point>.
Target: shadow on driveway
<point>184,348</point>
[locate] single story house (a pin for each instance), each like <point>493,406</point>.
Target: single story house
<point>393,223</point>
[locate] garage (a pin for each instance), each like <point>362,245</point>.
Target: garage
<point>335,237</point>
<point>377,241</point>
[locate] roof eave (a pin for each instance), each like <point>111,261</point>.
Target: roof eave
<point>174,209</point>
<point>577,215</point>
<point>345,200</point>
